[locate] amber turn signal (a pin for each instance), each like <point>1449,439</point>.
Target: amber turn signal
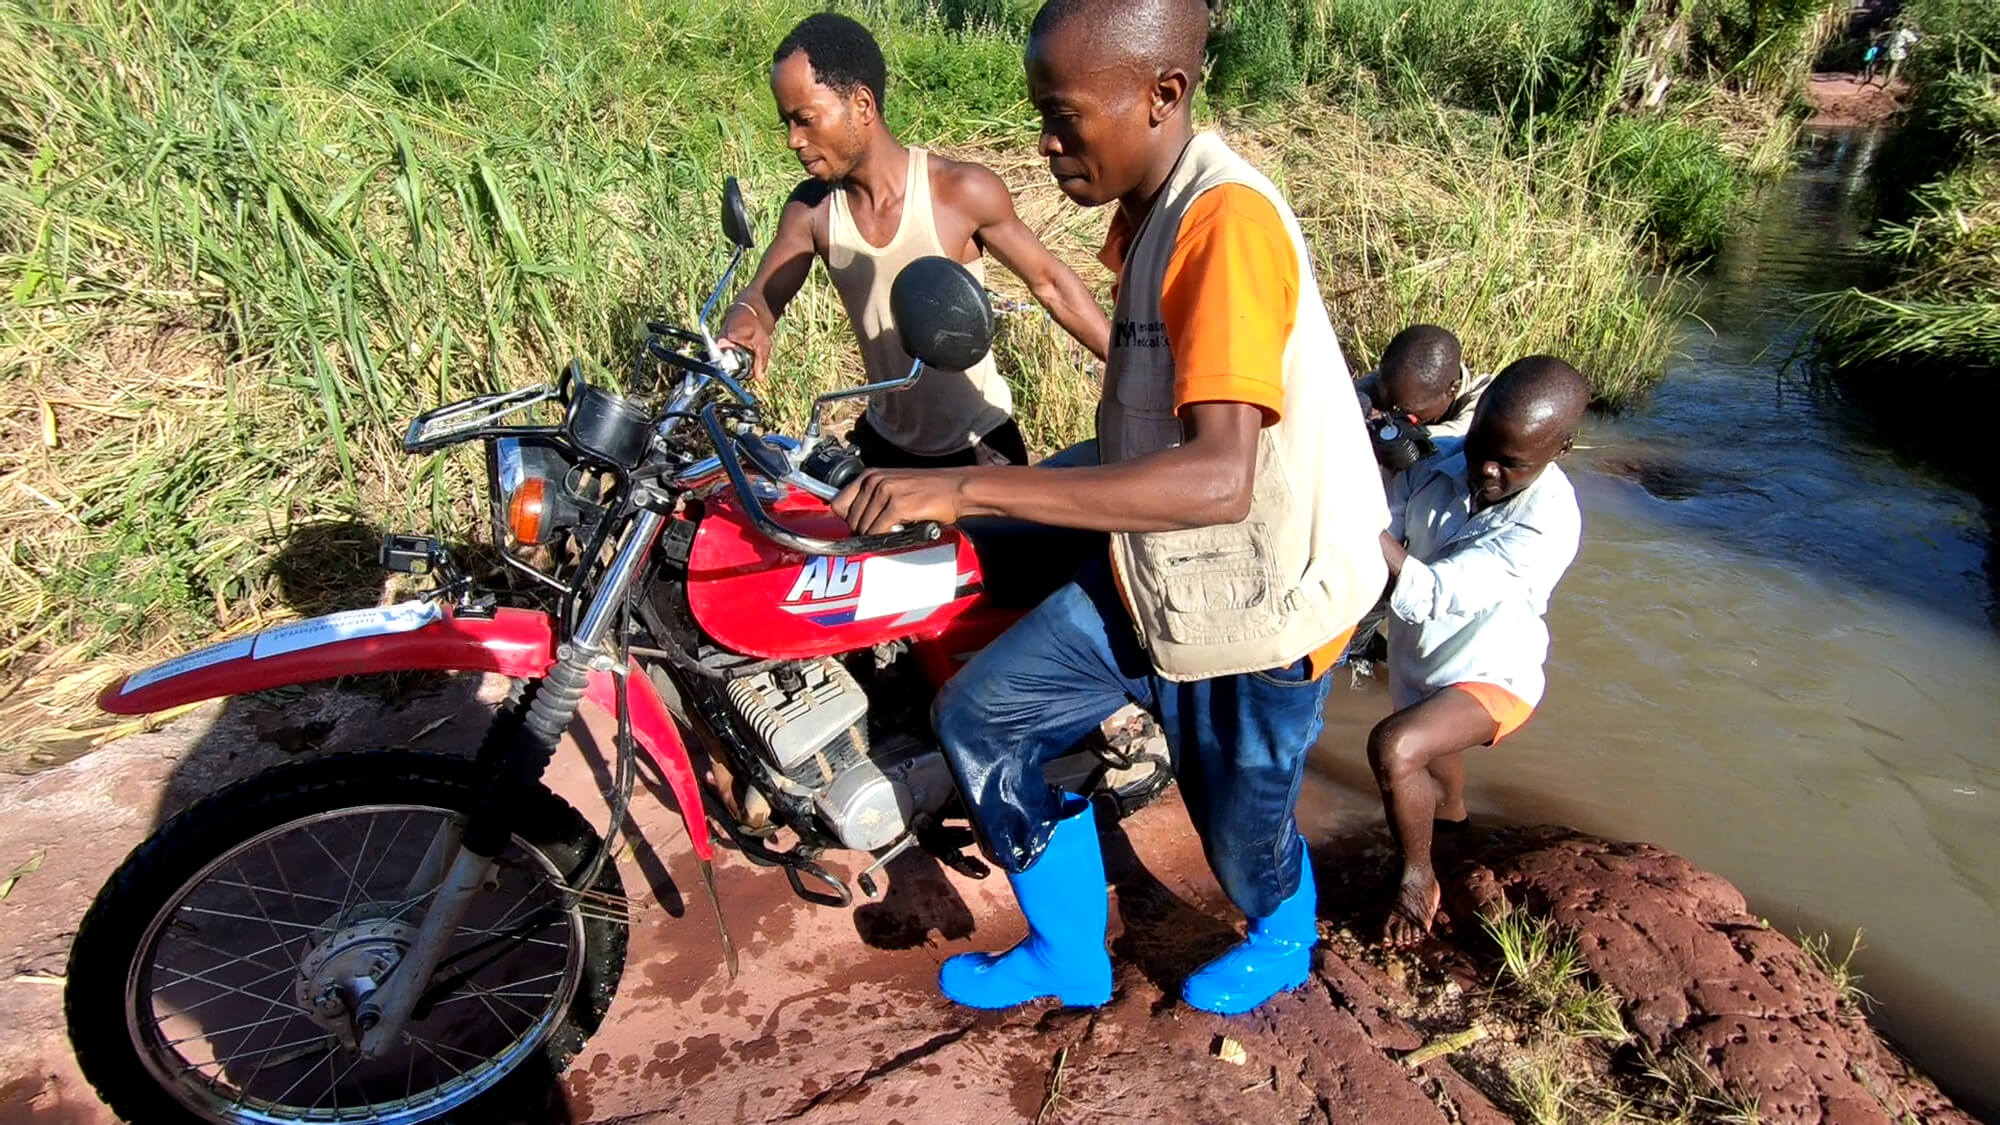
<point>527,510</point>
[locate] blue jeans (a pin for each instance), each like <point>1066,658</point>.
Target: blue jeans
<point>1238,742</point>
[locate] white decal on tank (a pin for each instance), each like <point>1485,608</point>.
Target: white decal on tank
<point>912,580</point>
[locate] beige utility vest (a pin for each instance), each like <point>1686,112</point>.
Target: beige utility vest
<point>946,411</point>
<point>1306,563</point>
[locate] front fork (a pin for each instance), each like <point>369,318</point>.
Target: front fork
<point>460,860</point>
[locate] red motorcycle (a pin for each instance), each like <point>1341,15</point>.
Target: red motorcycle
<point>403,937</point>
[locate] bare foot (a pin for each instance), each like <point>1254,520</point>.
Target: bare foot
<point>1416,907</point>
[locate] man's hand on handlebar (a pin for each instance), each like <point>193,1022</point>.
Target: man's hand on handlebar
<point>743,328</point>
<point>880,500</point>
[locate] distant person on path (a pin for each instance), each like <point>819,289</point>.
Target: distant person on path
<point>1900,42</point>
<point>871,207</point>
<point>1244,510</point>
<point>1475,546</point>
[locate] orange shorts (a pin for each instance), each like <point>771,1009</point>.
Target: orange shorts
<point>1508,710</point>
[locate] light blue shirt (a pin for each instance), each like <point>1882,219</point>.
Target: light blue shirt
<point>1469,604</point>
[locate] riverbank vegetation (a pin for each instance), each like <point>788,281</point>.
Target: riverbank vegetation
<point>242,242</point>
<point>1935,311</point>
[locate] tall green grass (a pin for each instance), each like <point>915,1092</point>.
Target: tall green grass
<point>1935,312</point>
<point>241,243</point>
<point>1668,103</point>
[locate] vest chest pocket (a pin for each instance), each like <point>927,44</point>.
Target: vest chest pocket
<point>1216,584</point>
<point>1141,414</point>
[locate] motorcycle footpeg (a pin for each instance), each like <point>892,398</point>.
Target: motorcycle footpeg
<point>948,846</point>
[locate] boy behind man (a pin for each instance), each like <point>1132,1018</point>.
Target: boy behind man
<point>1490,530</point>
<point>1244,507</point>
<point>1423,379</point>
<point>870,208</point>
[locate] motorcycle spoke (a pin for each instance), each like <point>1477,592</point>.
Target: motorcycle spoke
<point>223,989</point>
<point>431,1045</point>
<point>310,834</point>
<point>361,853</point>
<point>307,1073</point>
<point>230,959</point>
<point>497,1017</point>
<point>322,1041</point>
<point>243,1088</point>
<point>286,1018</point>
<point>456,1074</point>
<point>404,907</point>
<point>390,849</point>
<point>333,1089</point>
<point>501,924</point>
<point>248,918</point>
<point>288,893</point>
<point>497,932</point>
<point>268,920</point>
<point>227,951</point>
<point>486,996</point>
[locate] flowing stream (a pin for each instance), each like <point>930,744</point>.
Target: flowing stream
<point>1777,653</point>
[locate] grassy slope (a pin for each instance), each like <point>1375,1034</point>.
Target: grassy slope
<point>242,242</point>
<point>1937,309</point>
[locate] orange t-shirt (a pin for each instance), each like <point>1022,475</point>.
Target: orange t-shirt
<point>1229,296</point>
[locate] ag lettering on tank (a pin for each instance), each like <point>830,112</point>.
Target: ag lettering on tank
<point>825,577</point>
<point>836,590</point>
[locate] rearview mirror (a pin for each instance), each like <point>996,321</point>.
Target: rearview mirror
<point>941,314</point>
<point>735,217</point>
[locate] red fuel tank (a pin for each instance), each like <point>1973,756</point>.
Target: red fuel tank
<point>763,600</point>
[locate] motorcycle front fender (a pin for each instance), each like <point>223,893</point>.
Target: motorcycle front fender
<point>408,637</point>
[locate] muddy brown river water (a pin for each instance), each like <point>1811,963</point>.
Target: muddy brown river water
<point>1777,652</point>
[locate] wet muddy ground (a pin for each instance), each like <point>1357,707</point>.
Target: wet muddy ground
<point>833,1015</point>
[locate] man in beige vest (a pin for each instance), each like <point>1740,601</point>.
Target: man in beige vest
<point>1244,509</point>
<point>870,208</point>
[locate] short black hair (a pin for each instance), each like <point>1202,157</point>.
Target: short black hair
<point>1537,391</point>
<point>844,56</point>
<point>1424,354</point>
<point>1162,33</point>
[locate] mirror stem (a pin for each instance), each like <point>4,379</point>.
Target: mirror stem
<point>862,391</point>
<point>708,307</point>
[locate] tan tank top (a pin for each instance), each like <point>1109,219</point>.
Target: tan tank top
<point>946,411</point>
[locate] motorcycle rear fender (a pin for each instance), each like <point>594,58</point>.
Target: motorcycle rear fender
<point>410,636</point>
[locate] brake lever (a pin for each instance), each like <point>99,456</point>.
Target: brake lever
<point>701,367</point>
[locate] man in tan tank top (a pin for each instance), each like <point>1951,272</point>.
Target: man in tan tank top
<point>870,208</point>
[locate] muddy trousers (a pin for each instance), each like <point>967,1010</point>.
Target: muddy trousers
<point>1238,743</point>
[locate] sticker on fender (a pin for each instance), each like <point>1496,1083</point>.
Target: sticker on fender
<point>400,618</point>
<point>188,662</point>
<point>403,617</point>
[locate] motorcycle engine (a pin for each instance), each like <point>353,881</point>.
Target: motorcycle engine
<point>810,719</point>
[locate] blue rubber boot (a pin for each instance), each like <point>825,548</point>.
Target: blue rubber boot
<point>1063,897</point>
<point>1275,956</point>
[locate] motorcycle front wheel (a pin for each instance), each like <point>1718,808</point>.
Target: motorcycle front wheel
<point>215,978</point>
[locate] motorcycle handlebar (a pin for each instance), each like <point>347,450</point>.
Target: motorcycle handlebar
<point>726,447</point>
